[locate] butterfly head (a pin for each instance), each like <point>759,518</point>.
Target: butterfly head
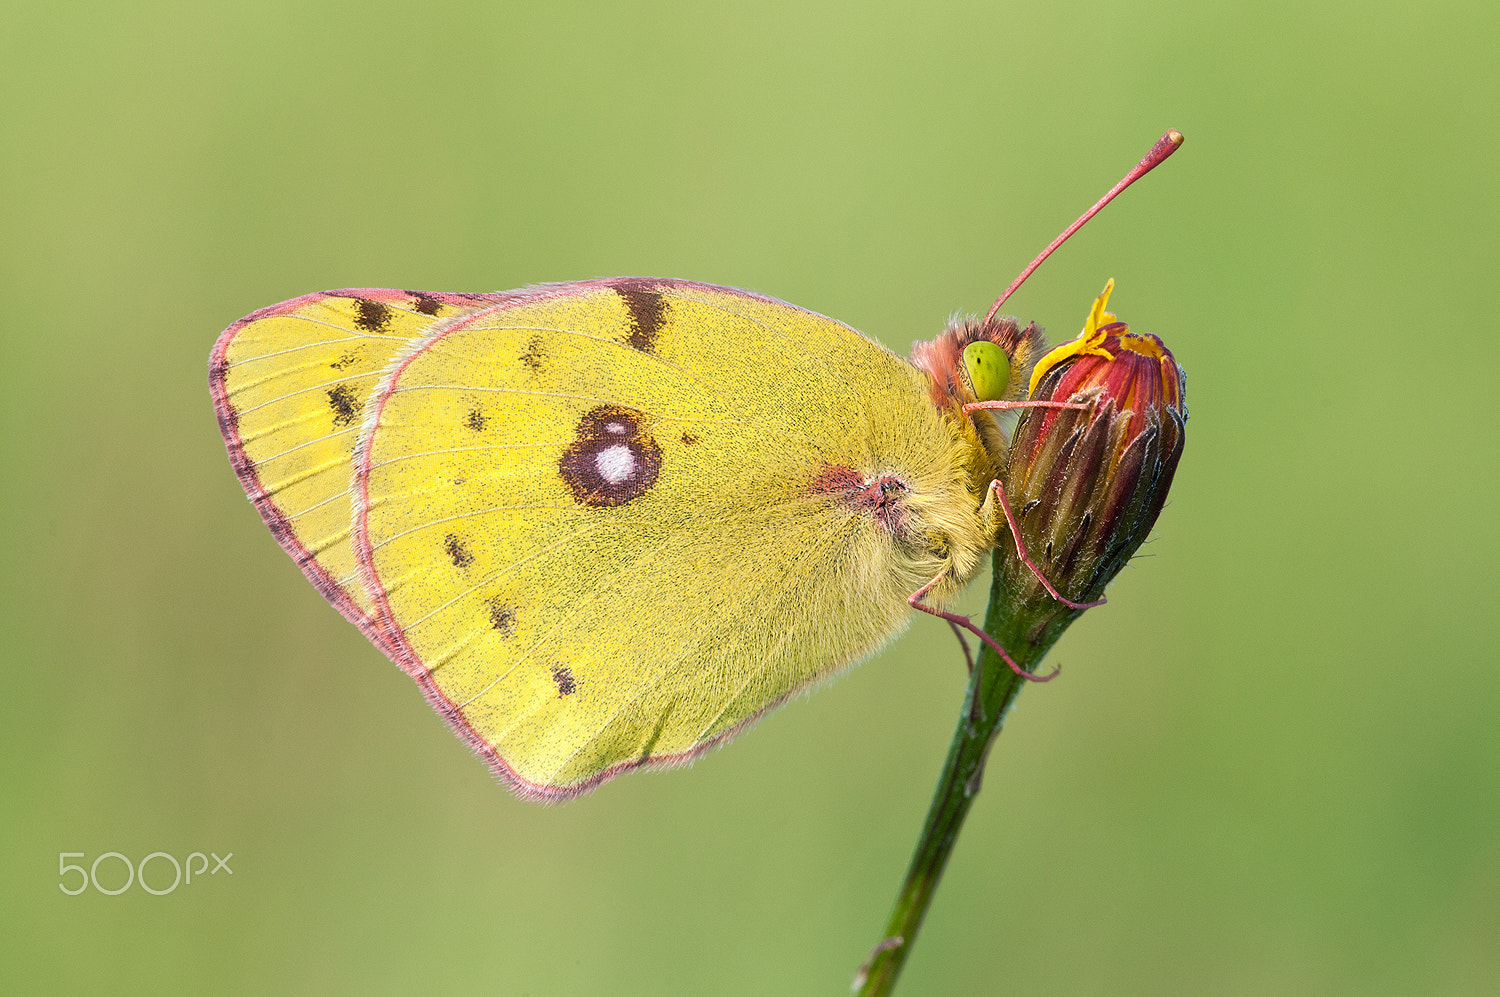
<point>980,361</point>
<point>974,361</point>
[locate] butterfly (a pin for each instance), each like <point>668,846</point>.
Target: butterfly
<point>611,523</point>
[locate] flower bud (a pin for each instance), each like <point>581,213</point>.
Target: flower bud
<point>1086,485</point>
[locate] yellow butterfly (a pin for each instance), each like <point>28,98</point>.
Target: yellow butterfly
<point>611,523</point>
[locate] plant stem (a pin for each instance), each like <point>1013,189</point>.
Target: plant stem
<point>1026,630</point>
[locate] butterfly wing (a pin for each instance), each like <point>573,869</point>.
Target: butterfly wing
<point>289,384</point>
<point>611,523</point>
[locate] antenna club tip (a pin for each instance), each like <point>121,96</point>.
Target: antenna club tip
<point>1164,147</point>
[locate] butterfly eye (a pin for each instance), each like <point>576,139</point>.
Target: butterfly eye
<point>988,370</point>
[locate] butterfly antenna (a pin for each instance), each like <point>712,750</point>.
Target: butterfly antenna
<point>1164,147</point>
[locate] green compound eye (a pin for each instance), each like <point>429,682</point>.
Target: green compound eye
<point>989,370</point>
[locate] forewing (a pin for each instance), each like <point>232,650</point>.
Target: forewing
<point>593,522</point>
<point>289,384</point>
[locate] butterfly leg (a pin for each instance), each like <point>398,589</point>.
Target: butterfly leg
<point>968,655</point>
<point>971,406</point>
<point>976,712</point>
<point>997,491</point>
<point>915,602</point>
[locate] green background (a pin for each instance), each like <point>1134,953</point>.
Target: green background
<point>1270,765</point>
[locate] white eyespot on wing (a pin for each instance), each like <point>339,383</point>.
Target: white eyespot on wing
<point>615,464</point>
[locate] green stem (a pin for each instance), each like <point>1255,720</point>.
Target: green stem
<point>1026,630</point>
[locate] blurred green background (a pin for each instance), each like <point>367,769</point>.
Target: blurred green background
<point>1271,763</point>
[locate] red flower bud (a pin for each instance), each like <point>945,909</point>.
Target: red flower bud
<point>1087,484</point>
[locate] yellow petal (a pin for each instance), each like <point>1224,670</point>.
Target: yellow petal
<point>1088,342</point>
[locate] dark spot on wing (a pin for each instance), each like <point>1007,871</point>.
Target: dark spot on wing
<point>476,420</point>
<point>348,359</point>
<point>218,371</point>
<point>689,439</point>
<point>345,404</point>
<point>612,459</point>
<point>457,552</point>
<point>371,316</point>
<point>563,676</point>
<point>535,353</point>
<point>647,309</point>
<point>425,305</point>
<point>502,617</point>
